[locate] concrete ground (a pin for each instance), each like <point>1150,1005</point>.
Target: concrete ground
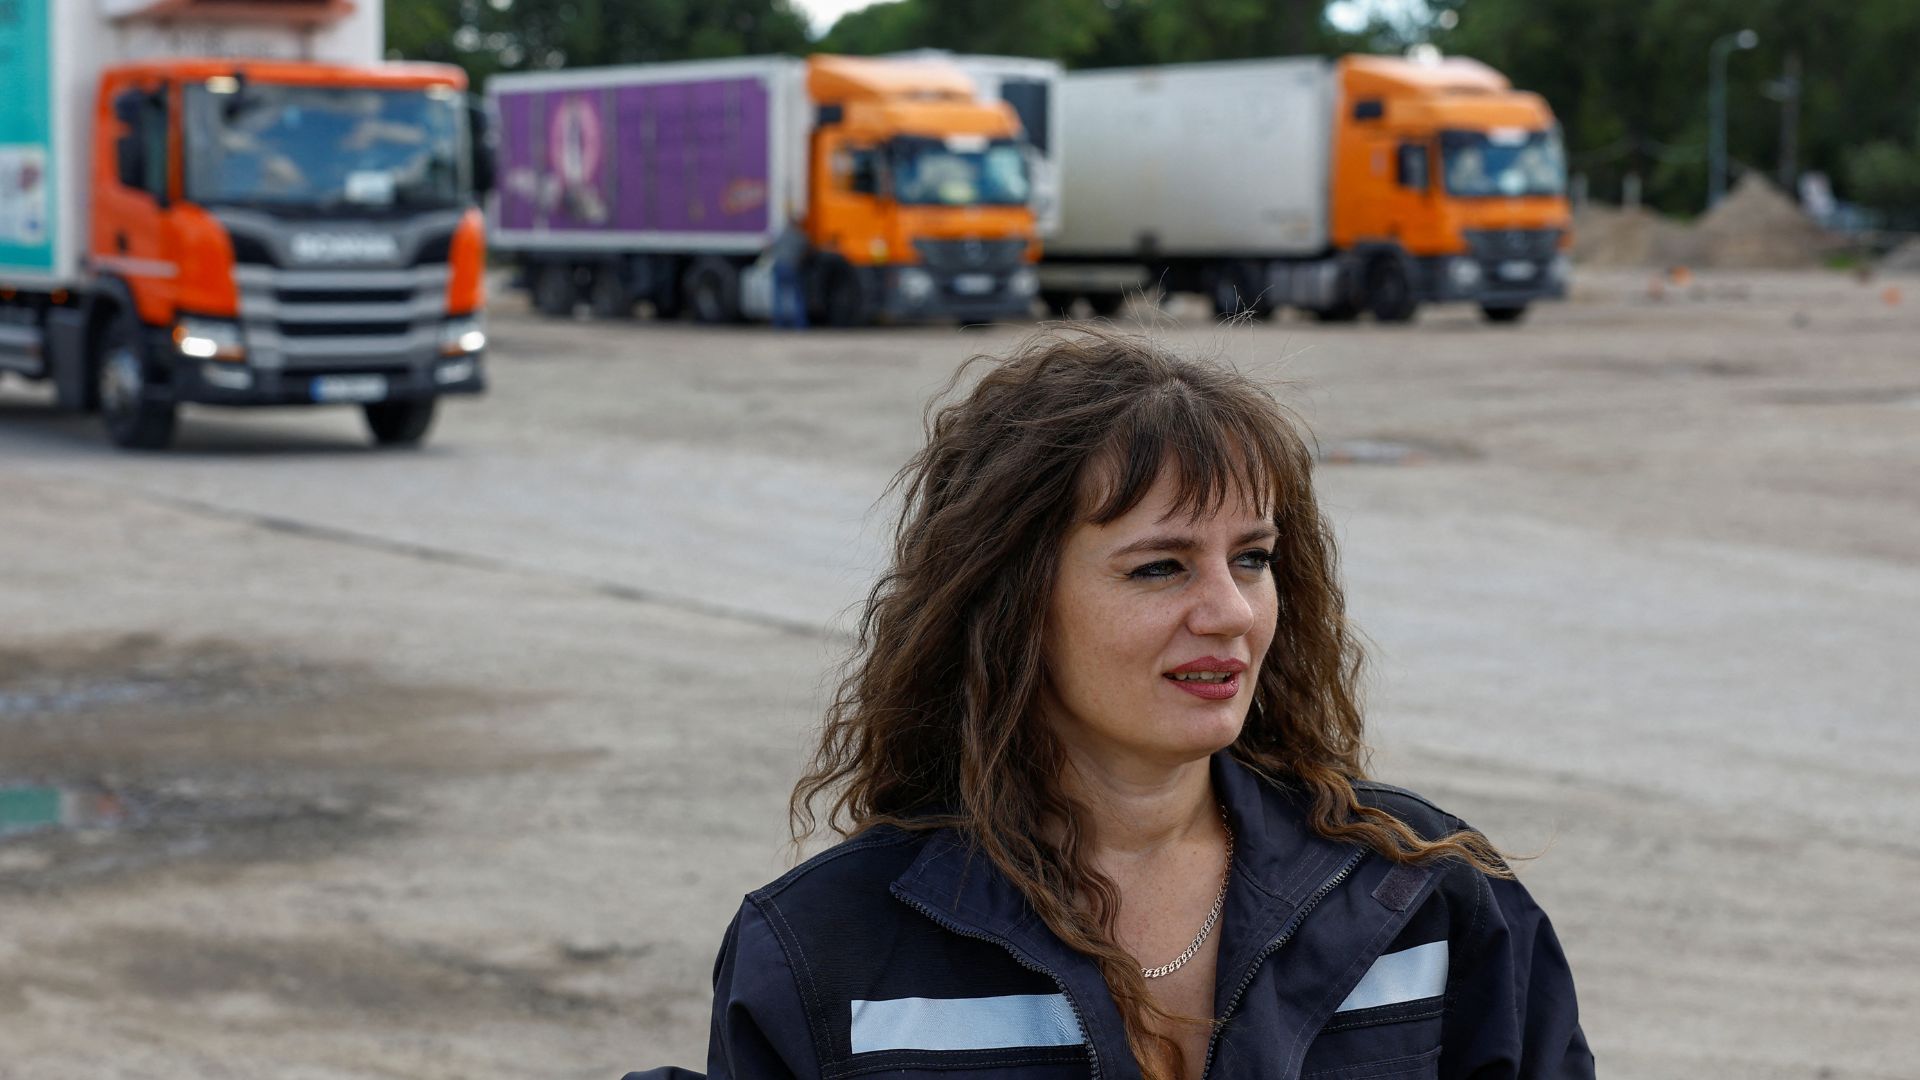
<point>456,763</point>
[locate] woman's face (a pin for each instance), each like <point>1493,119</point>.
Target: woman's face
<point>1156,630</point>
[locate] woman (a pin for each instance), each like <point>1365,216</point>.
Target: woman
<point>1099,754</point>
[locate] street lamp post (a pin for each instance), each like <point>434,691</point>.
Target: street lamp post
<point>1717,108</point>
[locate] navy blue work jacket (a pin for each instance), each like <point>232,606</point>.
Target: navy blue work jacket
<point>898,953</point>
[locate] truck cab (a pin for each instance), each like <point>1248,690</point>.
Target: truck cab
<point>1448,185</point>
<point>285,233</point>
<point>920,195</point>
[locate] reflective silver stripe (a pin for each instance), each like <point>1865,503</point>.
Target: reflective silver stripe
<point>1407,975</point>
<point>432,275</point>
<point>128,264</point>
<point>989,1023</point>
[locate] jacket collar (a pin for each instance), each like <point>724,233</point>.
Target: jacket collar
<point>1279,866</point>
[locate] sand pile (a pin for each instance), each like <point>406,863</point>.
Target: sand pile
<point>1628,236</point>
<point>1755,226</point>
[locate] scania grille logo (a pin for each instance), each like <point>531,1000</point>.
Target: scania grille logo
<point>344,247</point>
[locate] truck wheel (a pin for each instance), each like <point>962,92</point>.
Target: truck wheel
<point>713,292</point>
<point>132,419</point>
<point>1234,290</point>
<point>1059,305</point>
<point>846,298</point>
<point>554,290</point>
<point>1503,313</point>
<point>400,423</point>
<point>1105,304</point>
<point>609,298</point>
<point>1389,293</point>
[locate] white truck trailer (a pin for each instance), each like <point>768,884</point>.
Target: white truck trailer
<point>1368,183</point>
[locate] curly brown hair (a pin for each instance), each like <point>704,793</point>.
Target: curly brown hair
<point>935,721</point>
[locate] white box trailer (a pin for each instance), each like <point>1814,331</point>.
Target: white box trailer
<point>51,56</point>
<point>1159,159</point>
<point>1367,183</point>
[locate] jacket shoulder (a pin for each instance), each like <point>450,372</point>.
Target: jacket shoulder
<point>859,866</point>
<point>1420,813</point>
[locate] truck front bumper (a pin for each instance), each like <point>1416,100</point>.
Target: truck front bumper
<point>909,293</point>
<point>1493,282</point>
<point>183,379</point>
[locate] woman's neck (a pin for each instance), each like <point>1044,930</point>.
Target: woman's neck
<point>1136,811</point>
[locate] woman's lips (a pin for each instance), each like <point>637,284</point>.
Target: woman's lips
<point>1211,691</point>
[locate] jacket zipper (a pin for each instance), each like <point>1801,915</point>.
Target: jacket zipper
<point>1093,1056</point>
<point>1274,946</point>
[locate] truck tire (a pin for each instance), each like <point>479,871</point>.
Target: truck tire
<point>554,290</point>
<point>400,423</point>
<point>610,298</point>
<point>845,298</point>
<point>1106,304</point>
<point>1390,292</point>
<point>1503,313</point>
<point>1343,312</point>
<point>1059,305</point>
<point>1234,288</point>
<point>713,291</point>
<point>132,418</point>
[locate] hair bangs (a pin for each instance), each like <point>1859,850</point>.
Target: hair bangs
<point>1215,453</point>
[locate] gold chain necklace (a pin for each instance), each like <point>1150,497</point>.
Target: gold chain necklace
<point>1213,916</point>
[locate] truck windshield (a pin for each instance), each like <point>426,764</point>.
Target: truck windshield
<point>958,171</point>
<point>1481,164</point>
<point>323,148</point>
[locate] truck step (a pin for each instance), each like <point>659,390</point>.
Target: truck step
<point>22,349</point>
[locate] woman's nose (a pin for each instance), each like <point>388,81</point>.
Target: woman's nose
<point>1220,607</point>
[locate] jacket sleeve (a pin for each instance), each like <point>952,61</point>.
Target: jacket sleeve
<point>1511,1013</point>
<point>760,1029</point>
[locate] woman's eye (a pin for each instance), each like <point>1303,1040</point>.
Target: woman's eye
<point>1257,560</point>
<point>1161,569</point>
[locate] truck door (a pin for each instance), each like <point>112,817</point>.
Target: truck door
<point>134,174</point>
<point>849,188</point>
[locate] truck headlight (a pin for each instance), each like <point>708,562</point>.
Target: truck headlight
<point>460,337</point>
<point>1464,274</point>
<point>209,339</point>
<point>1023,282</point>
<point>915,284</point>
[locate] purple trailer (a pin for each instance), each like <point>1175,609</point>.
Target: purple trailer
<point>649,182</point>
<point>686,186</point>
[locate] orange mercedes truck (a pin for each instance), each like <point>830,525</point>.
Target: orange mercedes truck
<point>886,189</point>
<point>1369,183</point>
<point>207,202</point>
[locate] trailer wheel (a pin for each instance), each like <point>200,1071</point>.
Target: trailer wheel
<point>1389,293</point>
<point>554,290</point>
<point>713,292</point>
<point>132,418</point>
<point>1503,313</point>
<point>1342,312</point>
<point>400,423</point>
<point>610,298</point>
<point>1235,289</point>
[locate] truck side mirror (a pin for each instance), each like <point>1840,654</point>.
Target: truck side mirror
<point>480,148</point>
<point>864,175</point>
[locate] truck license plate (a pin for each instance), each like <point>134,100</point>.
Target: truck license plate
<point>1516,270</point>
<point>973,284</point>
<point>338,388</point>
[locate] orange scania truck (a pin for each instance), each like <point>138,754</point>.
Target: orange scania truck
<point>887,187</point>
<point>1369,183</point>
<point>225,203</point>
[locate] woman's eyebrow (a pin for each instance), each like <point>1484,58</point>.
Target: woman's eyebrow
<point>1177,542</point>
